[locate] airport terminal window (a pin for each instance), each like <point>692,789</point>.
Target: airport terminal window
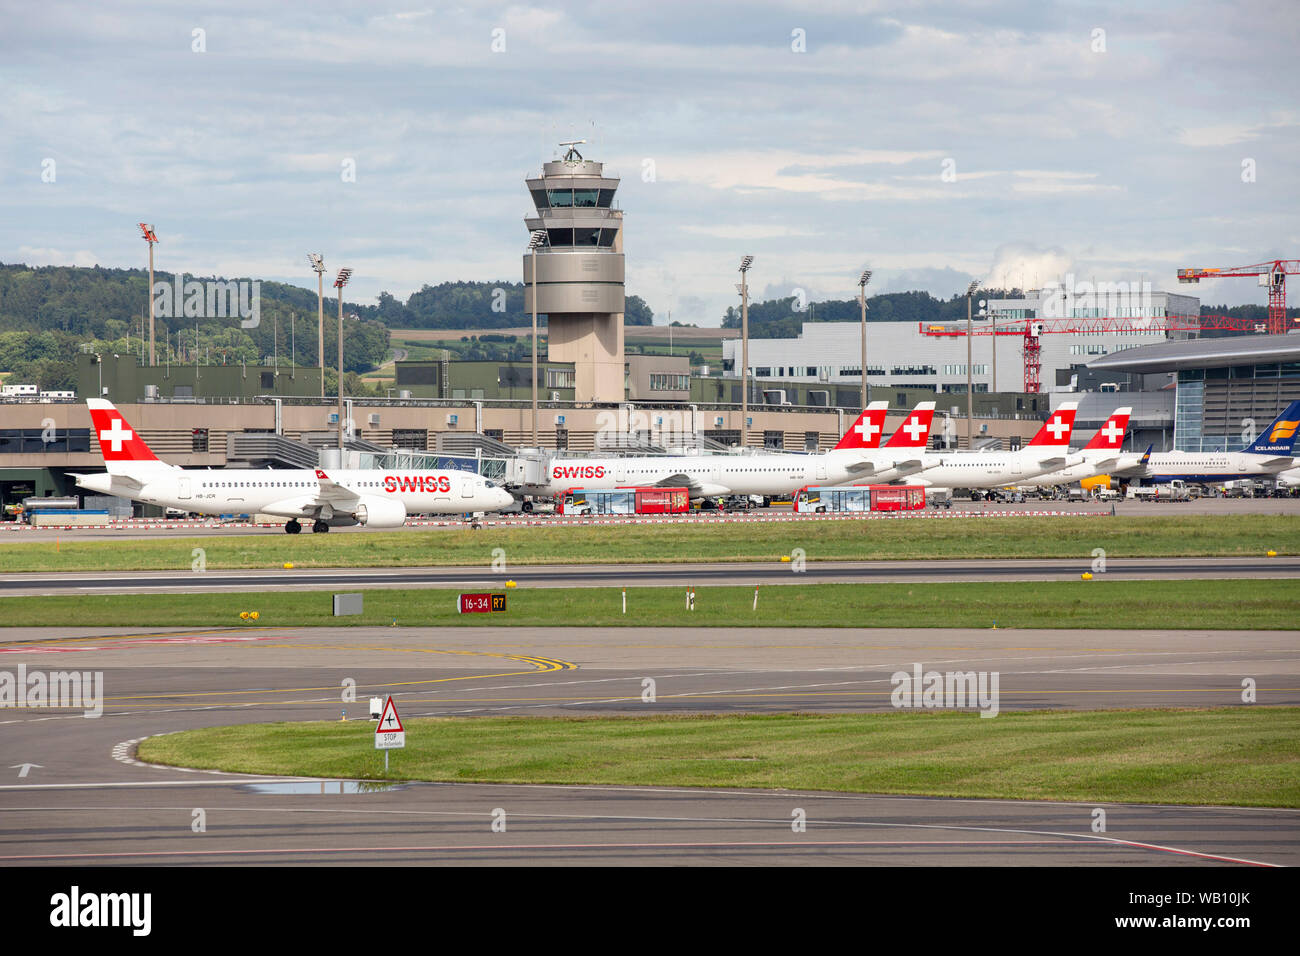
<point>19,441</point>
<point>586,237</point>
<point>561,198</point>
<point>540,199</point>
<point>585,198</point>
<point>199,440</point>
<point>559,237</point>
<point>559,378</point>
<point>606,197</point>
<point>607,236</point>
<point>763,372</point>
<point>561,438</point>
<point>773,439</point>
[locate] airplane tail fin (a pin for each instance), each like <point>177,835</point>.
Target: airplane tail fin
<point>915,430</point>
<point>124,451</point>
<point>1110,437</point>
<point>1279,437</point>
<point>866,431</point>
<point>1056,430</point>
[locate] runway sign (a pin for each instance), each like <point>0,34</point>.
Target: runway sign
<point>481,603</point>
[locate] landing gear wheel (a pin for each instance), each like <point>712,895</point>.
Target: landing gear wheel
<point>526,507</point>
<point>292,527</point>
<point>319,527</point>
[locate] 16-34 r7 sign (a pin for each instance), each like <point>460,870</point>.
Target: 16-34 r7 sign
<point>481,603</point>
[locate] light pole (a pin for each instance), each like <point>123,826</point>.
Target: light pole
<point>987,313</point>
<point>537,238</point>
<point>745,263</point>
<point>339,283</point>
<point>862,301</point>
<point>318,265</point>
<point>150,237</point>
<point>970,397</point>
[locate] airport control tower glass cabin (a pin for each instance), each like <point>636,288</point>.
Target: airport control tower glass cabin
<point>579,273</point>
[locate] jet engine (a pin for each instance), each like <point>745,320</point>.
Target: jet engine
<point>376,512</point>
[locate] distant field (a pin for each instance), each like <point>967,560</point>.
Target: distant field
<point>1240,756</point>
<point>1264,604</point>
<point>902,538</point>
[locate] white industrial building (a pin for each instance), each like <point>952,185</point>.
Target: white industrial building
<point>900,355</point>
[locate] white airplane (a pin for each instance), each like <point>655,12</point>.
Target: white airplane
<point>858,456</point>
<point>1100,456</point>
<point>1268,455</point>
<point>374,498</point>
<point>1046,451</point>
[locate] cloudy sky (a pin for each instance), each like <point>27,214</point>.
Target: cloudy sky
<point>1007,141</point>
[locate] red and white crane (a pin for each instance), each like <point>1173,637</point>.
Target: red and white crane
<point>1271,274</point>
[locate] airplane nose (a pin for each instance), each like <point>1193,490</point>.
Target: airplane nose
<point>503,498</point>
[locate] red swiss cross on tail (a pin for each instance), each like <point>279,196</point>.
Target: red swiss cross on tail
<point>124,451</point>
<point>915,430</point>
<point>1110,437</point>
<point>866,431</point>
<point>1056,430</point>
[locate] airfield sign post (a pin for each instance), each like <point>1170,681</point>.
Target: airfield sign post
<point>389,733</point>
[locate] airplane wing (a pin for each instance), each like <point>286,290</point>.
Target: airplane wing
<point>692,485</point>
<point>912,467</point>
<point>334,494</point>
<point>1277,464</point>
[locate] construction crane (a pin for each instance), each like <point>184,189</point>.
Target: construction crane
<point>1271,274</point>
<point>1031,330</point>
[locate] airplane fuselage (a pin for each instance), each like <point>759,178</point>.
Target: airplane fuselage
<point>713,475</point>
<point>295,493</point>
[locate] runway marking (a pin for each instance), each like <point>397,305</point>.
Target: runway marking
<point>1066,839</point>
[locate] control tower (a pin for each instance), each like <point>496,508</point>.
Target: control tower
<point>579,272</point>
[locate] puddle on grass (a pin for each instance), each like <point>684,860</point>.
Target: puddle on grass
<point>324,787</point>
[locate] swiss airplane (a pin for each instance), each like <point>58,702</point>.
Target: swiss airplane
<point>858,455</point>
<point>1268,455</point>
<point>1100,456</point>
<point>374,498</point>
<point>1046,452</point>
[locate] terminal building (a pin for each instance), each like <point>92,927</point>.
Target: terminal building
<point>901,354</point>
<point>1223,389</point>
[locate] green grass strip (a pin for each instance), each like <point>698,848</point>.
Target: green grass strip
<point>900,538</point>
<point>1242,756</point>
<point>1231,604</point>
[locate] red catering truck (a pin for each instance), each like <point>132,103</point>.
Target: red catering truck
<point>623,501</point>
<point>820,498</point>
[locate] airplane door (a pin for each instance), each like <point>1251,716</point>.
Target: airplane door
<point>620,471</point>
<point>466,488</point>
<point>184,488</point>
<point>821,470</point>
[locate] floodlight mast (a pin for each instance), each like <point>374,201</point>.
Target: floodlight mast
<point>343,276</point>
<point>970,398</point>
<point>318,266</point>
<point>150,237</point>
<point>745,263</point>
<point>862,302</point>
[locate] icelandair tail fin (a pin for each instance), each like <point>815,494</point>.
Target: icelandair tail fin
<point>866,431</point>
<point>124,451</point>
<point>1146,456</point>
<point>1279,437</point>
<point>915,430</point>
<point>1110,437</point>
<point>1056,430</point>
